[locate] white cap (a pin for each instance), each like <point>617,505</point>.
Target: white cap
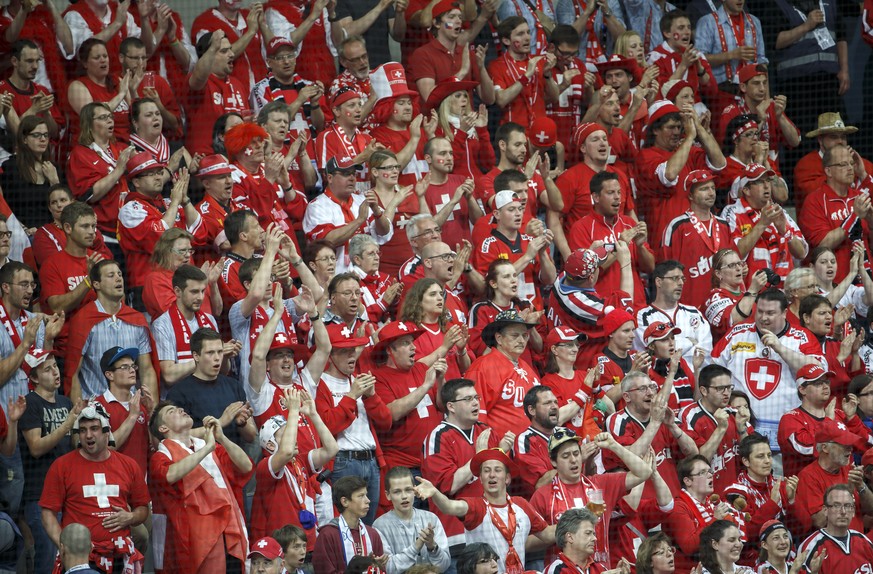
<point>504,198</point>
<point>268,431</point>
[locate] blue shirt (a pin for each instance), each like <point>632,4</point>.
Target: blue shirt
<point>708,41</point>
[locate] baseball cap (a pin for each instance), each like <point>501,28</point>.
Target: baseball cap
<point>343,164</point>
<point>583,262</point>
<point>867,458</point>
<point>141,163</point>
<point>563,334</point>
<point>33,359</point>
<point>504,198</point>
<point>657,331</point>
<point>115,353</point>
<point>749,71</point>
<point>277,43</point>
<point>754,172</point>
<point>268,548</point>
<point>832,431</point>
<point>811,372</point>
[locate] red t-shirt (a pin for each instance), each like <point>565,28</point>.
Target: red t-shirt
<point>457,226</point>
<point>627,430</point>
<point>137,444</point>
<point>531,102</point>
<point>279,499</point>
<point>699,424</point>
<point>217,97</point>
<point>84,169</point>
<point>60,274</point>
<point>502,386</point>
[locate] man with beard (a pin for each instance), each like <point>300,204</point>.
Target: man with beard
<point>765,235</point>
<point>29,97</point>
<point>605,226</point>
<point>355,62</point>
<point>695,236</point>
<point>666,160</point>
<point>531,448</point>
<point>449,196</point>
<point>212,90</point>
<point>218,203</point>
<point>838,546</point>
<point>677,59</point>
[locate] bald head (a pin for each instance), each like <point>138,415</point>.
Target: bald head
<point>439,261</point>
<point>75,545</point>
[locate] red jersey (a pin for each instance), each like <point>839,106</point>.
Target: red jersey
<point>575,186</point>
<point>796,438</point>
<point>693,243</point>
<point>315,61</point>
<point>22,100</point>
<point>218,96</point>
<point>768,131</point>
<point>594,227</point>
<point>39,27</point>
<point>630,526</point>
<point>402,444</point>
<point>49,239</point>
<point>247,66</point>
<point>759,505</point>
<point>334,142</point>
<point>809,175</point>
<point>85,168</point>
<point>472,152</point>
<point>270,402</point>
<point>60,274</point>
<point>458,224</point>
<point>531,454</point>
<point>699,424</point>
<point>397,249</point>
<point>140,226</point>
<point>809,498</point>
<point>667,60</point>
<point>683,383</point>
<point>536,187</point>
<point>498,246</point>
<point>137,444</point>
<point>281,497</point>
<point>567,110</point>
<point>212,216</point>
<point>86,492</point>
<point>854,555</point>
<point>430,340</point>
<point>612,370</point>
<point>229,285</point>
<point>718,308</point>
<point>627,430</point>
<point>684,524</point>
<point>502,386</point>
<point>100,93</point>
<point>531,102</point>
<point>825,210</point>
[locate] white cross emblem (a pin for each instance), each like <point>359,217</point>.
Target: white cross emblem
<point>346,332</point>
<point>398,74</point>
<point>542,137</point>
<point>120,542</point>
<point>402,221</point>
<point>402,326</point>
<point>445,200</point>
<point>257,332</point>
<point>262,544</point>
<point>841,426</point>
<point>762,378</point>
<point>100,490</point>
<point>281,337</point>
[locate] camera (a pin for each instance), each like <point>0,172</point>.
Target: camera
<point>773,278</point>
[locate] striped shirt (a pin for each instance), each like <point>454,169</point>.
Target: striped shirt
<point>400,535</point>
<point>165,335</point>
<point>17,384</point>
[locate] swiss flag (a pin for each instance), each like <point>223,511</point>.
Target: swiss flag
<point>762,377</point>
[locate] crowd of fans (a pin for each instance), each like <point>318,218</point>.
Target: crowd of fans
<point>529,298</point>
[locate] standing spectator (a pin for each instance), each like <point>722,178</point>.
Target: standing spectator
<point>696,236</point>
<point>729,38</point>
<point>730,303</point>
<point>344,140</point>
<point>379,291</point>
<point>144,84</point>
<point>50,238</point>
<point>522,82</point>
<point>43,25</point>
<point>426,542</point>
<point>97,84</point>
<point>606,225</point>
<point>217,205</point>
<point>174,52</point>
<point>617,358</point>
<point>266,556</point>
<point>531,448</point>
<point>106,322</point>
<point>824,550</point>
<point>373,20</point>
<point>187,470</point>
<point>355,62</point>
<point>743,145</point>
<point>534,15</point>
<point>147,134</point>
<point>666,160</point>
<point>464,127</point>
<point>28,97</point>
<point>678,59</point>
<point>643,16</point>
<point>765,235</point>
<point>100,488</point>
<point>45,436</point>
<point>573,79</point>
<point>245,237</point>
<point>449,196</point>
<point>307,27</point>
<point>206,393</point>
<point>212,90</point>
<point>248,33</point>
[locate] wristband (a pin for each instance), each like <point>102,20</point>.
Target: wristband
<point>464,354</point>
<point>524,80</point>
<point>849,223</point>
<point>87,281</point>
<point>862,489</point>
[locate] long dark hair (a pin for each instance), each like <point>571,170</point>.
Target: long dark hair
<point>709,535</point>
<point>25,158</point>
<point>412,310</point>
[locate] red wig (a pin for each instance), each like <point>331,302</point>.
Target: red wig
<point>241,135</point>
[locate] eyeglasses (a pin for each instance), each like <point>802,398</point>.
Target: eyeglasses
<point>328,258</point>
<point>646,389</point>
<point>843,164</point>
<point>447,257</point>
<point>429,232</point>
<point>103,117</point>
<point>707,472</point>
<point>284,57</point>
<point>5,234</point>
<point>848,507</point>
<point>39,135</point>
<point>187,251</point>
<point>733,265</point>
<point>394,167</point>
<point>469,399</point>
<point>25,284</point>
<point>127,368</point>
<point>721,389</point>
<point>676,278</point>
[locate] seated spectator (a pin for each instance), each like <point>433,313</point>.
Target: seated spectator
<point>203,537</point>
<point>821,550</point>
<point>573,79</point>
<point>576,537</point>
<point>465,128</point>
<point>425,544</point>
<point>635,83</point>
<point>98,85</point>
<point>29,173</point>
<point>50,238</point>
<point>728,38</point>
<point>379,290</point>
<point>354,60</point>
<point>721,545</point>
<point>729,303</point>
<point>266,556</point>
<point>421,230</point>
<point>30,97</point>
<point>571,386</point>
<point>293,541</point>
<point>775,543</point>
<point>765,235</point>
<point>75,548</point>
<point>838,356</point>
<point>244,237</point>
<point>655,554</point>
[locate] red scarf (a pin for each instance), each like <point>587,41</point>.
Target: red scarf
<point>6,321</point>
<point>259,320</point>
<point>593,48</point>
<point>507,531</point>
<point>183,331</point>
<point>739,36</point>
<point>575,567</point>
<point>346,206</point>
<point>703,512</point>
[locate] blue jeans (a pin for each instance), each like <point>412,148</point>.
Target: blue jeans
<point>12,482</point>
<point>45,549</point>
<point>366,469</point>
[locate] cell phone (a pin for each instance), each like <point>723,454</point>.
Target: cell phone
<point>609,247</point>
<point>847,328</point>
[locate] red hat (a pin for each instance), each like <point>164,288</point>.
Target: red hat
<point>697,177</point>
<point>240,136</point>
<point>811,372</point>
<point>283,341</point>
<point>629,65</point>
<point>340,163</point>
<point>277,43</point>
<point>268,548</point>
<point>343,95</point>
<point>743,128</point>
<point>492,454</point>
<point>660,109</point>
<point>583,262</point>
<point>749,71</point>
<point>867,458</point>
<point>582,131</point>
<point>446,88</point>
<point>395,330</point>
<point>615,318</point>
<point>215,164</point>
<point>657,331</point>
<point>443,7</point>
<point>141,163</point>
<point>389,81</point>
<point>832,431</point>
<point>33,359</point>
<point>543,132</point>
<point>769,528</point>
<point>672,88</point>
<point>342,337</point>
<point>563,335</point>
<point>754,172</point>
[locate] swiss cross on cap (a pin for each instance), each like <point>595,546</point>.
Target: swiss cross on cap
<point>33,359</point>
<point>268,548</point>
<point>343,337</point>
<point>543,132</point>
<point>830,431</point>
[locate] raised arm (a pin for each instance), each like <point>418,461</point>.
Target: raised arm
<point>260,284</point>
<point>258,369</point>
<point>426,490</point>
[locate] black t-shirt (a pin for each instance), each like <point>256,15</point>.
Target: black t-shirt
<point>377,34</point>
<point>202,398</point>
<point>46,416</point>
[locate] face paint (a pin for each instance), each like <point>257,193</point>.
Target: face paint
<point>449,26</point>
<point>440,160</point>
<point>249,151</point>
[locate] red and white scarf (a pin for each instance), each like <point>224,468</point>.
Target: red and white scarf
<point>6,320</point>
<point>259,320</point>
<point>593,48</point>
<point>161,152</point>
<point>182,331</point>
<point>711,236</point>
<point>350,548</point>
<point>738,38</point>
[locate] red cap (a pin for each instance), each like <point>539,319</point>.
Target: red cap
<point>543,132</point>
<point>657,331</point>
<point>215,164</point>
<point>660,109</point>
<point>811,372</point>
<point>696,177</point>
<point>749,71</point>
<point>492,454</point>
<point>583,262</point>
<point>268,548</point>
<point>141,163</point>
<point>277,43</point>
<point>395,330</point>
<point>629,65</point>
<point>33,359</point>
<point>867,458</point>
<point>343,95</point>
<point>446,88</point>
<point>581,133</point>
<point>563,335</point>
<point>283,341</point>
<point>832,431</point>
<point>673,88</point>
<point>342,337</point>
<point>615,318</point>
<point>754,172</point>
<point>340,163</point>
<point>443,7</point>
